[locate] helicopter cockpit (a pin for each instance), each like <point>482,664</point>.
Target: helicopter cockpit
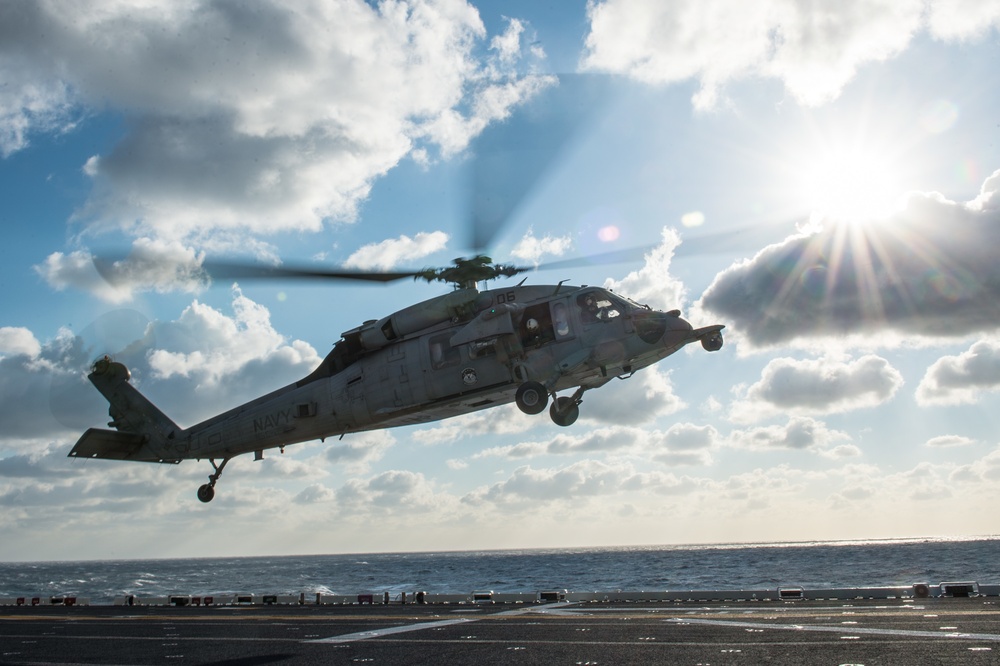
<point>599,305</point>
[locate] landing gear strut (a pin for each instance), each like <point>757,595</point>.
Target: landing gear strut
<point>207,492</point>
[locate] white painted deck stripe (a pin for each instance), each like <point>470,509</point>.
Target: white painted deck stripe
<point>388,631</point>
<point>853,629</point>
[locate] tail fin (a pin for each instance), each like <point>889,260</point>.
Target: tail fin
<point>142,432</point>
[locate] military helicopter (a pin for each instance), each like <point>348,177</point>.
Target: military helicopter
<point>453,354</point>
<point>463,351</point>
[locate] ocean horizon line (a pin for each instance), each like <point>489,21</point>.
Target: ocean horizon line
<point>513,550</point>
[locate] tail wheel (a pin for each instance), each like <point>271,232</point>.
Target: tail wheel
<point>564,411</point>
<point>206,492</point>
<point>531,397</point>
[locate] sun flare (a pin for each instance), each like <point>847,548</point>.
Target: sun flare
<point>851,184</point>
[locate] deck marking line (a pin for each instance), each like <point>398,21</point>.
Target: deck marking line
<point>387,631</point>
<point>853,630</point>
<point>558,608</point>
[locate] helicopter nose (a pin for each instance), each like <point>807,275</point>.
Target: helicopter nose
<point>677,333</point>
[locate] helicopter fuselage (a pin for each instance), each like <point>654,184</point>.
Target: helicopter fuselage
<point>454,354</point>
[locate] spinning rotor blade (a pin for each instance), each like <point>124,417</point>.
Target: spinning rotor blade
<point>749,238</point>
<point>248,270</point>
<point>512,158</point>
<point>614,257</point>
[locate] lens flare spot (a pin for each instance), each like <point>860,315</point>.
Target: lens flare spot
<point>969,172</point>
<point>814,280</point>
<point>946,286</point>
<point>938,116</point>
<point>282,297</point>
<point>609,234</point>
<point>693,219</point>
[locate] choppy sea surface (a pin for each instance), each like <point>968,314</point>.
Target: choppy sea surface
<point>731,566</point>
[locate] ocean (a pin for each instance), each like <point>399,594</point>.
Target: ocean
<point>879,563</point>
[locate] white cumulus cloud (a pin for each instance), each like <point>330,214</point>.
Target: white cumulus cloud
<point>817,386</point>
<point>265,117</point>
<point>16,340</point>
<point>962,379</point>
<point>813,49</point>
<point>531,249</point>
<point>393,252</point>
<point>800,433</point>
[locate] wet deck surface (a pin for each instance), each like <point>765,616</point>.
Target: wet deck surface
<point>922,631</point>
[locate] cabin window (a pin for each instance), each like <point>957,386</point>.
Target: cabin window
<point>481,348</point>
<point>536,326</point>
<point>442,353</point>
<point>560,320</point>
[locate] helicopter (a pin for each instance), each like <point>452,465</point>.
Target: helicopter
<point>456,353</point>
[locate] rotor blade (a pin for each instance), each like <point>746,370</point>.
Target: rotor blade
<point>746,238</point>
<point>614,257</point>
<point>512,158</point>
<point>228,270</point>
<point>749,238</point>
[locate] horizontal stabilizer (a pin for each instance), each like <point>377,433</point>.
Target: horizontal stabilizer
<point>113,445</point>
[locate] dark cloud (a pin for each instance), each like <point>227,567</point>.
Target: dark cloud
<point>929,270</point>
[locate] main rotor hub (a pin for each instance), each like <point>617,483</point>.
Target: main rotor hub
<point>467,273</point>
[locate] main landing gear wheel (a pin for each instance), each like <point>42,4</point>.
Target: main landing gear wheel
<point>564,411</point>
<point>531,397</point>
<point>206,492</point>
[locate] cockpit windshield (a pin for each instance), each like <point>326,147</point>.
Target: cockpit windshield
<point>629,303</point>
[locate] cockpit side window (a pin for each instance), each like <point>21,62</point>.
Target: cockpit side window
<point>596,306</point>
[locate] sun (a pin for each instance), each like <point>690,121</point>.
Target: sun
<point>853,174</point>
<point>851,184</point>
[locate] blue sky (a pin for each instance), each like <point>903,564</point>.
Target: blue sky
<point>826,183</point>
